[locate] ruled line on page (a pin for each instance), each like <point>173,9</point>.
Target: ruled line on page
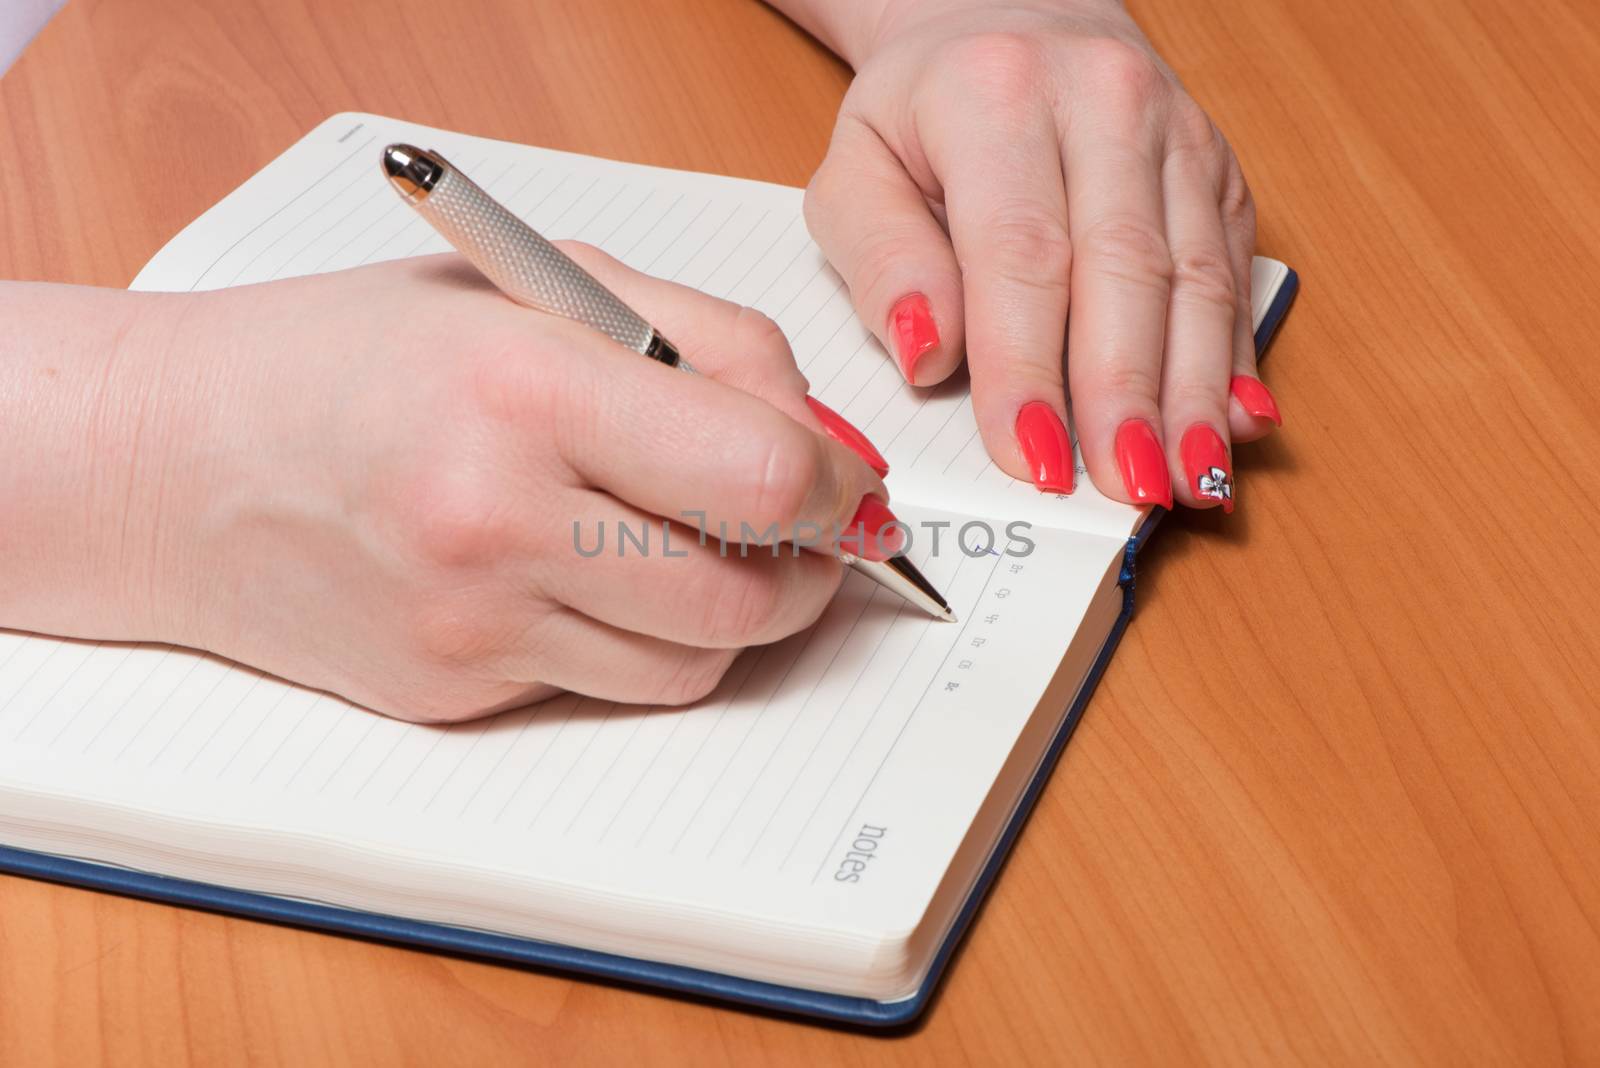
<point>694,758</point>
<point>306,191</point>
<point>578,761</point>
<point>799,711</point>
<point>739,746</point>
<point>332,198</point>
<point>107,720</point>
<point>572,706</point>
<point>833,715</point>
<point>527,722</point>
<point>910,715</point>
<point>88,700</point>
<point>222,676</point>
<point>65,681</point>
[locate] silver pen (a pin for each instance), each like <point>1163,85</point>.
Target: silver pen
<point>533,272</point>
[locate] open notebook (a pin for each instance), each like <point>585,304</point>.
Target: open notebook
<point>812,837</point>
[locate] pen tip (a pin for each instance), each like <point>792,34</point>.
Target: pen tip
<point>412,171</point>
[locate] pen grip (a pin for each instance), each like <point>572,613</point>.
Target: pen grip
<point>526,267</point>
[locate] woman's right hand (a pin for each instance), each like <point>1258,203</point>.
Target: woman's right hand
<point>377,483</point>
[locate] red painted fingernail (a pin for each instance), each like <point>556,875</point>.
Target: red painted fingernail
<point>1255,398</point>
<point>1143,464</point>
<point>915,333</point>
<point>873,532</point>
<point>845,433</point>
<point>1045,446</point>
<point>1206,465</point>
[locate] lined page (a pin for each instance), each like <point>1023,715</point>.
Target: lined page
<point>876,721</point>
<point>875,717</point>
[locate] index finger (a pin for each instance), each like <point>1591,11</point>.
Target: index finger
<point>687,446</point>
<point>1007,210</point>
<point>734,344</point>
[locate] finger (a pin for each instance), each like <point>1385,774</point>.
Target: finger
<point>570,651</point>
<point>1253,412</point>
<point>687,447</point>
<point>1121,281</point>
<point>873,223</point>
<point>734,344</point>
<point>721,339</point>
<point>1001,167</point>
<point>645,574</point>
<point>1198,358</point>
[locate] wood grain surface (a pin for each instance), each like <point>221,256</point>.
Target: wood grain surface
<point>1337,798</point>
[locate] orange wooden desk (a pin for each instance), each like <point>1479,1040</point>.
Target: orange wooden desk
<point>1338,798</point>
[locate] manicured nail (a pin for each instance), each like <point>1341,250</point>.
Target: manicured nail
<point>873,533</point>
<point>1255,398</point>
<point>1206,466</point>
<point>915,333</point>
<point>1143,464</point>
<point>1045,446</point>
<point>845,433</point>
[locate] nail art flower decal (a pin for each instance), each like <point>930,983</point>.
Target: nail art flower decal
<point>1206,466</point>
<point>1215,484</point>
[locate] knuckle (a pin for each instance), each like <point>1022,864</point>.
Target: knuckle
<point>756,334</point>
<point>741,608</point>
<point>1033,240</point>
<point>1127,73</point>
<point>894,257</point>
<point>454,520</point>
<point>1001,67</point>
<point>457,636</point>
<point>1125,378</point>
<point>1238,205</point>
<point>1193,395</point>
<point>793,466</point>
<point>874,261</point>
<point>1036,377</point>
<point>1127,250</point>
<point>1190,130</point>
<point>506,386</point>
<point>1203,275</point>
<point>694,675</point>
<point>821,193</point>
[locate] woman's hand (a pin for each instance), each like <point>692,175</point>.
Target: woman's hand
<point>378,483</point>
<point>995,164</point>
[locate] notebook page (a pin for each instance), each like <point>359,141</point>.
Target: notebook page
<point>746,803</point>
<point>875,722</point>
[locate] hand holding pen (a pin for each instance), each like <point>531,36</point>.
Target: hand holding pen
<point>532,271</point>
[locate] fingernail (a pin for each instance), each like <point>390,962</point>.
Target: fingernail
<point>845,433</point>
<point>873,533</point>
<point>1255,398</point>
<point>1045,447</point>
<point>915,333</point>
<point>1206,466</point>
<point>1143,464</point>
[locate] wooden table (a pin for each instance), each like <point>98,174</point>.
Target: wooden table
<point>1337,798</point>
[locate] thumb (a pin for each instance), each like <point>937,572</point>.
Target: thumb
<point>874,226</point>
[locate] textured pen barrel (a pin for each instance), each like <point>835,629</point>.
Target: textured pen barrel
<point>524,265</point>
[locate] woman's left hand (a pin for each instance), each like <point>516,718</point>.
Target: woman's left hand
<point>994,165</point>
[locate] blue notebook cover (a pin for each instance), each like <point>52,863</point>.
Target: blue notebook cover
<point>860,1012</point>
